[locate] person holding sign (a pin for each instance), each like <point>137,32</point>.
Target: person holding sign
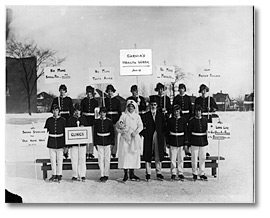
<point>197,132</point>
<point>64,102</point>
<point>88,105</point>
<point>184,102</point>
<point>138,99</point>
<point>208,105</point>
<point>65,106</point>
<point>129,126</point>
<point>55,125</point>
<point>78,151</point>
<point>163,101</point>
<point>104,139</point>
<point>177,138</point>
<point>153,133</point>
<point>113,112</point>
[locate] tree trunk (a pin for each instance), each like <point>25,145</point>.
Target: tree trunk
<point>29,104</point>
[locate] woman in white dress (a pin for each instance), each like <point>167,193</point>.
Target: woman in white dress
<point>129,126</point>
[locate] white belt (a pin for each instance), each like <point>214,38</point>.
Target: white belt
<point>185,112</point>
<point>142,112</point>
<point>198,133</point>
<point>89,114</point>
<point>103,134</point>
<point>206,113</point>
<point>64,112</point>
<point>112,112</point>
<point>56,135</point>
<point>177,133</point>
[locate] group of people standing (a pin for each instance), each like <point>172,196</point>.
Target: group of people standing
<point>150,128</point>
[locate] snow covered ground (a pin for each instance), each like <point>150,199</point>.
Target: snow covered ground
<point>236,182</point>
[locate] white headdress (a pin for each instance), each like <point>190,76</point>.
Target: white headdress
<point>134,104</point>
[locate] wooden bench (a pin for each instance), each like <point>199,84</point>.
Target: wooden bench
<point>92,164</point>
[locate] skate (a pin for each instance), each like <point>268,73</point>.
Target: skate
<point>83,179</point>
<point>173,178</point>
<point>53,178</point>
<point>204,178</point>
<point>125,177</point>
<point>74,179</point>
<point>160,177</point>
<point>195,177</point>
<point>148,179</point>
<point>105,178</point>
<point>181,178</point>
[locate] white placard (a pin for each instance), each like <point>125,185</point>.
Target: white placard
<point>135,62</point>
<point>56,75</point>
<point>217,131</point>
<point>78,135</point>
<point>34,137</point>
<point>102,75</point>
<point>165,74</point>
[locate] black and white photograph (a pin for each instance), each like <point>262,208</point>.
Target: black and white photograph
<point>130,104</point>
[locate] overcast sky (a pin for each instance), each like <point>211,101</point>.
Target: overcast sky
<point>184,36</point>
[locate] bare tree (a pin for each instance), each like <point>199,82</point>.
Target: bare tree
<point>44,58</point>
<point>179,75</point>
<point>143,90</point>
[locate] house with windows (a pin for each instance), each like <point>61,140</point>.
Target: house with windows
<point>223,101</point>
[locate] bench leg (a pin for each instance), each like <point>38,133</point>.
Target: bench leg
<point>44,171</point>
<point>214,169</point>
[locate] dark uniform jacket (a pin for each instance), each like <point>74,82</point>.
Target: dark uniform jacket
<point>56,126</point>
<point>160,104</point>
<point>177,134</point>
<point>197,126</point>
<point>103,127</point>
<point>66,106</point>
<point>204,104</point>
<point>150,126</point>
<point>88,106</point>
<point>185,104</point>
<point>113,108</point>
<point>72,122</point>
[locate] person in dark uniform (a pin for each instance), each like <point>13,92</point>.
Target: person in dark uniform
<point>113,112</point>
<point>153,133</point>
<point>203,101</point>
<point>104,139</point>
<point>88,105</point>
<point>64,102</point>
<point>164,106</point>
<point>78,151</point>
<point>65,106</point>
<point>177,138</point>
<point>207,109</point>
<point>55,125</point>
<point>138,99</point>
<point>197,132</point>
<point>184,102</point>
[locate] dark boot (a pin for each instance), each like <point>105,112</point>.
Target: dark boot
<point>125,175</point>
<point>132,176</point>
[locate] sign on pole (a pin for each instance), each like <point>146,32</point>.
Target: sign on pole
<point>219,131</point>
<point>165,74</point>
<point>78,135</point>
<point>56,75</point>
<point>102,75</point>
<point>135,62</point>
<point>34,137</point>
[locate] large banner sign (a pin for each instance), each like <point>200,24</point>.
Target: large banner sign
<point>34,137</point>
<point>165,74</point>
<point>78,135</point>
<point>56,75</point>
<point>135,62</point>
<point>102,75</point>
<point>219,131</point>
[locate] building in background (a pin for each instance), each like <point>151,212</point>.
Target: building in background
<point>16,94</point>
<point>249,102</point>
<point>44,102</point>
<point>223,101</point>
